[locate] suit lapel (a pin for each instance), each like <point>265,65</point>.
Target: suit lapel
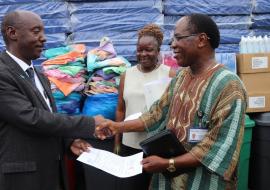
<point>14,66</point>
<point>16,69</point>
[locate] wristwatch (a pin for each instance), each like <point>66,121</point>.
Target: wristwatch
<point>171,167</point>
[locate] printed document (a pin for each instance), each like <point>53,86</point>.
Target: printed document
<point>113,164</point>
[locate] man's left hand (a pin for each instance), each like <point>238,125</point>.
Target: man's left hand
<point>155,164</point>
<point>79,146</point>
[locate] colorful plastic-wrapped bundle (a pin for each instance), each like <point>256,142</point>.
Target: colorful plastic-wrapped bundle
<point>104,68</point>
<point>66,70</point>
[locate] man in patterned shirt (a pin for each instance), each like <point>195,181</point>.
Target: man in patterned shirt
<point>205,107</point>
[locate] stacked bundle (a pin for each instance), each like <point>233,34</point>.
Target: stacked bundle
<point>232,17</point>
<point>119,20</point>
<point>54,14</point>
<point>261,17</point>
<point>104,67</point>
<point>65,68</point>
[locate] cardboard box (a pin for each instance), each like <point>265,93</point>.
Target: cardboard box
<point>258,102</point>
<point>258,91</point>
<point>253,63</point>
<point>256,82</point>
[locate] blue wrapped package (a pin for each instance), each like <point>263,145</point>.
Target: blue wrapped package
<point>10,2</point>
<point>143,6</point>
<point>70,104</point>
<point>46,10</point>
<point>232,36</point>
<point>260,32</point>
<point>228,48</point>
<point>101,104</point>
<point>210,7</point>
<point>228,59</point>
<point>223,22</point>
<point>58,25</point>
<point>261,21</point>
<point>261,6</point>
<point>114,22</point>
<point>116,61</point>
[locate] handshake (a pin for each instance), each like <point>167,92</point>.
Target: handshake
<point>106,128</point>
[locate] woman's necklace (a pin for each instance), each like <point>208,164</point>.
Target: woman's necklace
<point>143,71</point>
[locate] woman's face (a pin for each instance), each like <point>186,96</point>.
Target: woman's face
<point>147,52</point>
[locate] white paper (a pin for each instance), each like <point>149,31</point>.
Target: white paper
<point>154,90</point>
<point>113,164</point>
<point>256,102</point>
<point>259,62</point>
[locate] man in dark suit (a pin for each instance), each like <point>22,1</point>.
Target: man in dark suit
<point>30,132</point>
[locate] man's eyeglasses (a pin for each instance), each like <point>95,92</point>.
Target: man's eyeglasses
<point>180,37</point>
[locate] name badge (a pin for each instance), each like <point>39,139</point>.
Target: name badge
<point>196,134</point>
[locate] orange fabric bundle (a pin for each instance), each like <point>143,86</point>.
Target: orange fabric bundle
<point>64,59</point>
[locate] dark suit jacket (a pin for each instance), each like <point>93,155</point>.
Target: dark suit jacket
<point>30,135</point>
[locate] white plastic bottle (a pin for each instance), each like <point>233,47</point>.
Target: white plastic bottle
<point>249,44</point>
<point>267,43</point>
<point>261,44</point>
<point>243,45</point>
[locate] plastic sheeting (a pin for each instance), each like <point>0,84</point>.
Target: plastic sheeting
<point>228,59</point>
<point>48,10</point>
<point>143,6</point>
<point>101,104</point>
<point>261,6</point>
<point>114,22</point>
<point>68,104</point>
<point>55,16</point>
<point>228,48</point>
<point>57,25</point>
<point>227,36</point>
<point>96,0</point>
<point>38,61</point>
<point>9,2</point>
<point>118,18</point>
<point>223,22</point>
<point>232,36</point>
<point>94,36</point>
<point>55,40</point>
<point>123,27</point>
<point>261,21</point>
<point>260,32</point>
<point>210,7</point>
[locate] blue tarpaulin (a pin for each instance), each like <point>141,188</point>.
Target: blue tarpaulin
<point>143,6</point>
<point>261,21</point>
<point>261,6</point>
<point>46,10</point>
<point>210,7</point>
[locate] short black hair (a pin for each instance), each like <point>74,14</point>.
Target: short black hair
<point>10,19</point>
<point>201,23</point>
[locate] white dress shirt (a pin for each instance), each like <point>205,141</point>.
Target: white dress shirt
<point>39,86</point>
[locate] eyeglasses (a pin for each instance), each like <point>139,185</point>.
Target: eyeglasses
<point>179,37</point>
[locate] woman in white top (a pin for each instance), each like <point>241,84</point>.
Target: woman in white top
<point>132,99</point>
